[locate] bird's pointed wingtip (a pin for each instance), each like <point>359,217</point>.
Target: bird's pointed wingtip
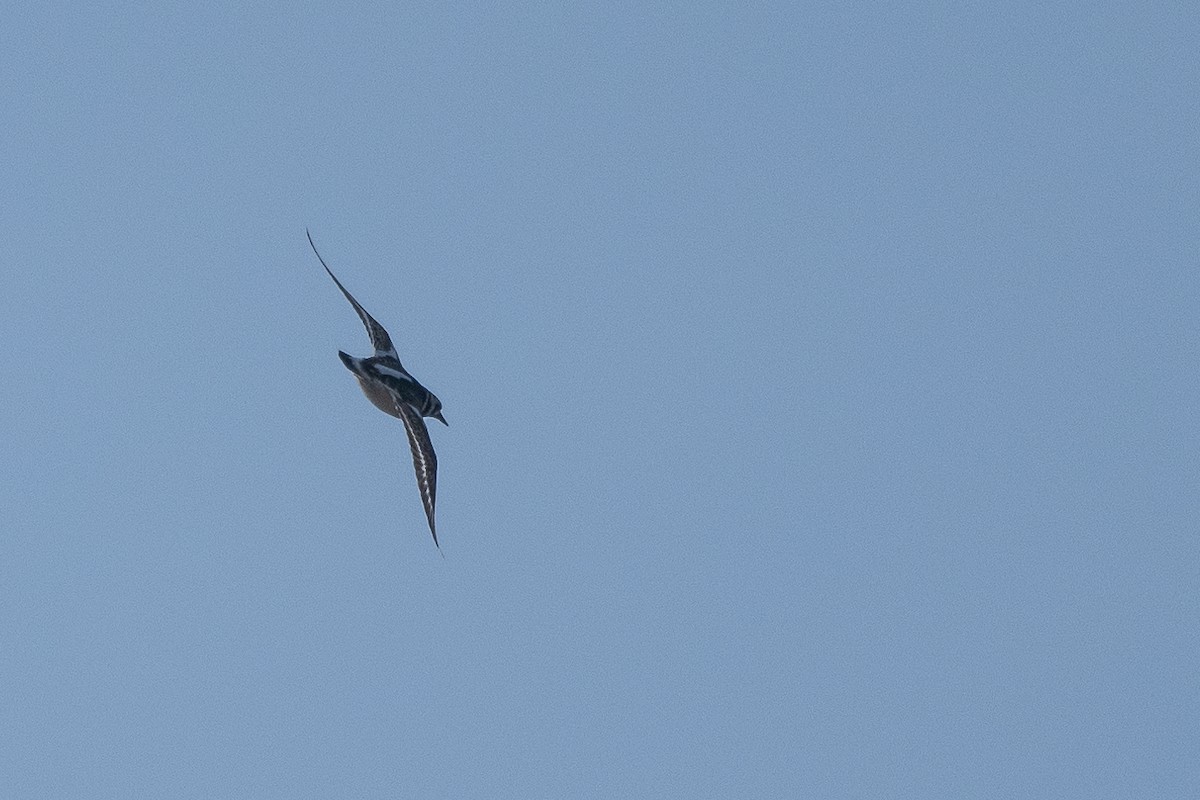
<point>313,245</point>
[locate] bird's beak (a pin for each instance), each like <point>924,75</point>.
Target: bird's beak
<point>438,416</point>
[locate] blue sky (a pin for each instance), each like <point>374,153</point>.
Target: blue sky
<point>821,379</point>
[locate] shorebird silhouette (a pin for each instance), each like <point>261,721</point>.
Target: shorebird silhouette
<point>389,386</point>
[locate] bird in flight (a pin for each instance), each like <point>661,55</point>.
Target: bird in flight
<point>390,388</point>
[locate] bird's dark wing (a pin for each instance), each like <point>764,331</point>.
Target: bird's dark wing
<point>424,459</point>
<point>379,337</point>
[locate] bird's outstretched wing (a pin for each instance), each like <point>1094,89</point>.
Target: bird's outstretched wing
<point>424,459</point>
<point>379,337</point>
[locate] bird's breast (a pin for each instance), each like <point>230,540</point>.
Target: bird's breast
<point>379,396</point>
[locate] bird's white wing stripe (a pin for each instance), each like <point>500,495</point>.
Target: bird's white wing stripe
<point>395,373</point>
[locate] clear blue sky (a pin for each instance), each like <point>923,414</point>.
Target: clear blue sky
<point>822,382</point>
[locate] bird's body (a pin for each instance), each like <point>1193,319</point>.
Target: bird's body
<point>385,382</point>
<point>391,389</point>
